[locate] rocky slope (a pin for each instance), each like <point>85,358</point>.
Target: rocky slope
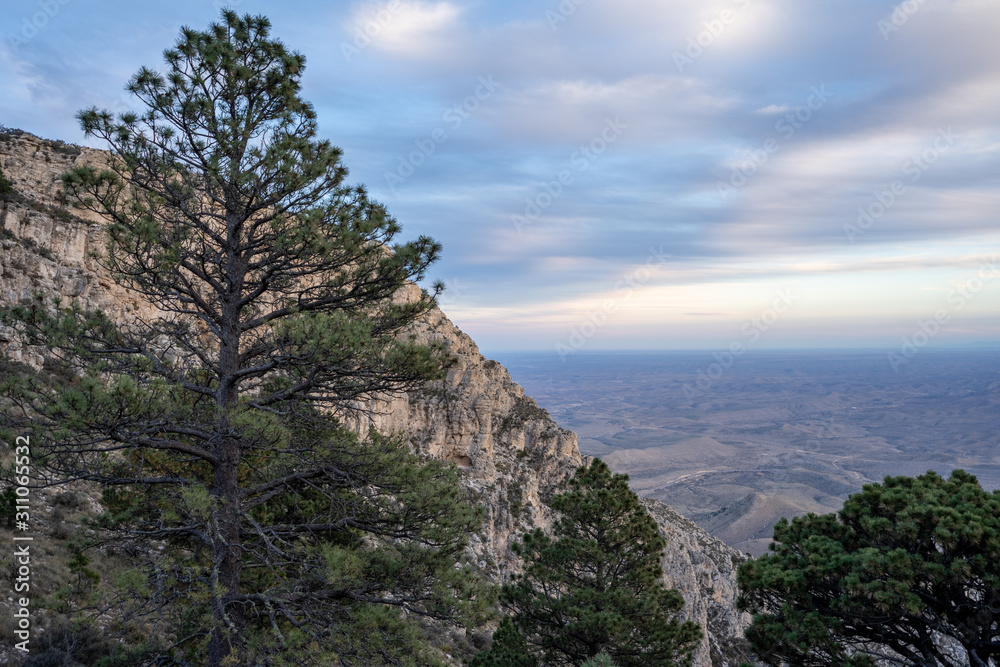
<point>514,456</point>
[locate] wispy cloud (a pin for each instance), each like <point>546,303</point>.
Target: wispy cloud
<point>409,28</point>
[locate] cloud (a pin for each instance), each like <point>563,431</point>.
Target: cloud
<point>569,111</point>
<point>657,184</point>
<point>409,28</point>
<point>774,108</point>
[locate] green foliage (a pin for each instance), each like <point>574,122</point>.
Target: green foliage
<point>68,643</point>
<point>81,643</point>
<point>509,649</point>
<point>78,562</point>
<point>214,418</point>
<point>601,660</point>
<point>903,560</point>
<point>6,187</point>
<point>8,507</point>
<point>596,585</point>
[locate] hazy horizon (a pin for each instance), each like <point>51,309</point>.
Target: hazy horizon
<point>941,347</point>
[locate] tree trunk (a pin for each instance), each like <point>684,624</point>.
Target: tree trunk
<point>228,618</point>
<point>229,622</point>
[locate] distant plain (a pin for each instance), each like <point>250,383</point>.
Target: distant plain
<point>776,433</point>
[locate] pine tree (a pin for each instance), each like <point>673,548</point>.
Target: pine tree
<point>596,586</point>
<point>509,649</point>
<point>600,660</point>
<point>904,564</point>
<point>272,305</point>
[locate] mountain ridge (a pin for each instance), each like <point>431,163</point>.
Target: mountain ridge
<point>512,454</point>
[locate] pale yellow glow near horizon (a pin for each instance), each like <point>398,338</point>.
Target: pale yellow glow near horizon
<point>815,297</point>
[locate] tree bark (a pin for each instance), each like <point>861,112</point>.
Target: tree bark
<point>229,622</point>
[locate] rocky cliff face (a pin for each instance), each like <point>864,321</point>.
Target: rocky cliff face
<point>514,456</point>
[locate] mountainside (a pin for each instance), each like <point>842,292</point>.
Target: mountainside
<point>512,454</point>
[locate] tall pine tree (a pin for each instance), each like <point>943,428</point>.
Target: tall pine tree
<point>272,304</point>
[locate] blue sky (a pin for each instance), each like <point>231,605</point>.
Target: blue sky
<point>630,174</point>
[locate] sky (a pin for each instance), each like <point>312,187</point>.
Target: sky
<point>718,175</point>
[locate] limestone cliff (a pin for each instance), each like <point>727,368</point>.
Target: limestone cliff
<point>514,456</point>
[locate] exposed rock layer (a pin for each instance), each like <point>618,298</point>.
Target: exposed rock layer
<point>514,456</point>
